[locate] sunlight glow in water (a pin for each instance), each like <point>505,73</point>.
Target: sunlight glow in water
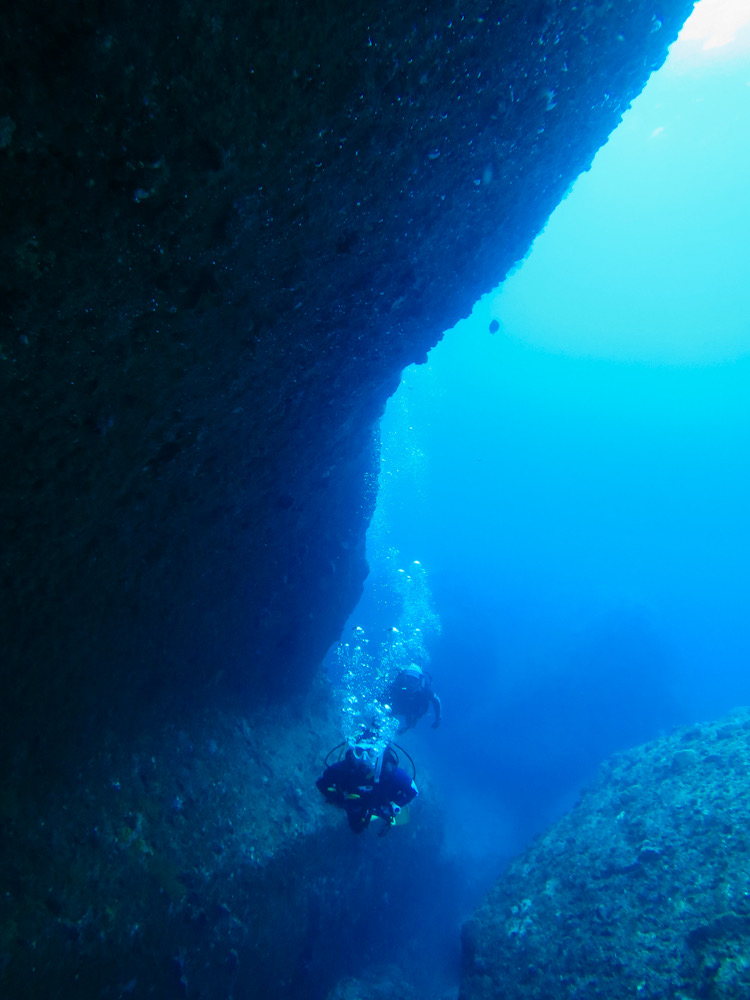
<point>646,260</point>
<point>716,24</point>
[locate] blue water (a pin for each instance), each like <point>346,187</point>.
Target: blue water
<point>576,485</point>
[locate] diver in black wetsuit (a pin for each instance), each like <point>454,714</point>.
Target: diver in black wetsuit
<point>410,696</point>
<point>368,783</point>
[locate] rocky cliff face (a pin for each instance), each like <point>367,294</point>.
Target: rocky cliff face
<point>642,890</point>
<point>226,229</point>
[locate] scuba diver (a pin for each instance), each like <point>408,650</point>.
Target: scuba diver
<point>367,783</point>
<point>410,696</point>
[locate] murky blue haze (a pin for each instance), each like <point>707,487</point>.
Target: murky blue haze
<point>576,484</point>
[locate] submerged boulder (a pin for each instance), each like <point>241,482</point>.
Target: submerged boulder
<point>642,890</point>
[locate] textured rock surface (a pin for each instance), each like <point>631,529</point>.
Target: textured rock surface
<point>226,228</point>
<point>643,890</point>
<point>202,862</point>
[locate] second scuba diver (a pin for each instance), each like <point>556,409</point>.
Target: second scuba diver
<point>410,696</point>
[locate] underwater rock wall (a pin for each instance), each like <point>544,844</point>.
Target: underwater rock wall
<point>227,227</point>
<point>201,862</point>
<point>642,890</point>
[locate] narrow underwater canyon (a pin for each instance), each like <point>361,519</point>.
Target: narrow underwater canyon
<point>227,229</point>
